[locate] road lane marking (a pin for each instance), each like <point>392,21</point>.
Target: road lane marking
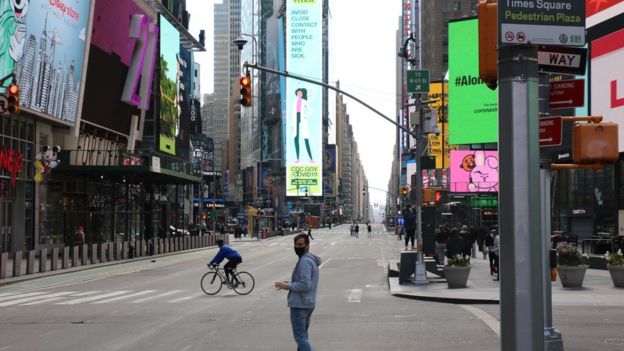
<point>124,296</point>
<point>7,294</point>
<point>181,299</point>
<point>322,264</point>
<point>87,293</point>
<point>157,296</point>
<point>33,298</point>
<point>487,318</point>
<point>355,295</point>
<point>19,296</point>
<point>93,298</point>
<point>38,302</point>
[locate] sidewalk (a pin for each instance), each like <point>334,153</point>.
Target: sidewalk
<point>481,289</point>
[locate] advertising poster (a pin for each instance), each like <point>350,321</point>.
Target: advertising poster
<point>607,80</point>
<point>303,100</point>
<point>329,171</point>
<point>112,47</point>
<point>267,189</point>
<point>44,43</point>
<point>474,171</point>
<point>169,85</point>
<point>439,94</point>
<point>473,107</point>
<point>598,11</point>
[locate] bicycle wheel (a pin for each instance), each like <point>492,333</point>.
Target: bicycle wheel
<point>244,284</point>
<point>211,283</point>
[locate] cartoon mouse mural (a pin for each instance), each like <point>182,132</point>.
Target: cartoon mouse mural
<point>12,34</point>
<point>45,161</point>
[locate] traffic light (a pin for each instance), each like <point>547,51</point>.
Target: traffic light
<point>440,197</point>
<point>363,191</point>
<point>246,98</point>
<point>13,92</point>
<point>487,13</point>
<point>404,190</point>
<point>427,195</point>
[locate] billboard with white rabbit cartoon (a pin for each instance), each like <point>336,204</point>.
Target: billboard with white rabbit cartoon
<point>474,171</point>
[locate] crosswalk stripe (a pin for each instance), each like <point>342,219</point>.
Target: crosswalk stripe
<point>8,294</point>
<point>124,297</point>
<point>38,302</point>
<point>19,296</point>
<point>355,295</point>
<point>33,298</point>
<point>87,293</point>
<point>182,299</point>
<point>157,296</point>
<point>93,298</point>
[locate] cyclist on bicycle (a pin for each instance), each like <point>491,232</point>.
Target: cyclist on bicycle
<point>225,251</point>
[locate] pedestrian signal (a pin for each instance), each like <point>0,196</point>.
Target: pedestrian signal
<point>440,196</point>
<point>246,98</point>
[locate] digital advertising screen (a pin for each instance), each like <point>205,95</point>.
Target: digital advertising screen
<point>473,107</point>
<point>329,171</point>
<point>474,171</point>
<point>303,100</point>
<point>607,79</point>
<point>599,11</point>
<point>170,108</point>
<point>438,94</point>
<point>45,44</point>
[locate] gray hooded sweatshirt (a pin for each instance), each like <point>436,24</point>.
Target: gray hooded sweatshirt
<point>304,282</point>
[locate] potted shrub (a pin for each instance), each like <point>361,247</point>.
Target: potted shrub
<point>571,265</point>
<point>456,271</point>
<point>615,264</point>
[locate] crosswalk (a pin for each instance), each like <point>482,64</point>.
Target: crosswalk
<point>96,297</point>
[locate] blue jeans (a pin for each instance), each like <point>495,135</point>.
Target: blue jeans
<point>300,321</point>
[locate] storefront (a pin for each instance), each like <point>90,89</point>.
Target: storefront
<point>16,185</point>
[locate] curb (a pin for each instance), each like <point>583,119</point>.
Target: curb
<point>442,299</point>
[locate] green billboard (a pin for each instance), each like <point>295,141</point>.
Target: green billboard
<point>473,107</point>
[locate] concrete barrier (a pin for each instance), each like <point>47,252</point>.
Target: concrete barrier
<point>43,260</point>
<point>3,264</point>
<point>94,253</point>
<point>110,251</point>
<point>65,260</point>
<point>30,262</point>
<point>17,263</point>
<point>55,259</point>
<point>74,256</point>
<point>84,255</point>
<point>102,252</point>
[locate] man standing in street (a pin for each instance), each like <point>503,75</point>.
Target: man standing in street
<point>409,218</point>
<point>302,291</point>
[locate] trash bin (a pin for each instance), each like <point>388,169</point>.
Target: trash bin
<point>264,233</point>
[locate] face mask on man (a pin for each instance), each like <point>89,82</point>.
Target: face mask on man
<point>300,251</point>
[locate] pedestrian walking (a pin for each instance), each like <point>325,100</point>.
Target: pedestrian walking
<point>352,229</point>
<point>356,230</point>
<point>79,236</point>
<point>496,252</point>
<point>302,290</point>
<point>310,231</point>
<point>440,238</point>
<point>409,219</point>
<point>489,244</point>
<point>370,230</point>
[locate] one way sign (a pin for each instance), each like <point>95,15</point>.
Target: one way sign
<point>559,59</point>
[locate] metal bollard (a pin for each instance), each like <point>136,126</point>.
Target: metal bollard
<point>43,260</point>
<point>65,260</point>
<point>17,263</point>
<point>94,253</point>
<point>55,258</point>
<point>74,256</point>
<point>30,262</point>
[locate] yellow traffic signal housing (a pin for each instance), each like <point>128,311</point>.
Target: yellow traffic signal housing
<point>487,13</point>
<point>13,92</point>
<point>404,190</point>
<point>427,195</point>
<point>246,98</point>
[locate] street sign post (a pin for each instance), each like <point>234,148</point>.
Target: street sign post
<point>4,103</point>
<point>558,59</point>
<point>550,131</point>
<point>542,22</point>
<point>567,94</point>
<point>418,81</point>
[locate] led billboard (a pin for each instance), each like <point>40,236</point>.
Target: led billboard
<point>44,43</point>
<point>329,171</point>
<point>169,86</point>
<point>474,171</point>
<point>607,79</point>
<point>473,107</point>
<point>437,94</point>
<point>303,100</point>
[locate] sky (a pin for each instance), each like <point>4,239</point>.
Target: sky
<point>362,54</point>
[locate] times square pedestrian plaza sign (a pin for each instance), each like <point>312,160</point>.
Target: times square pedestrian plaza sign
<point>542,22</point>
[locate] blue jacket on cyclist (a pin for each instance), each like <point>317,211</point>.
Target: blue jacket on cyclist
<point>225,252</point>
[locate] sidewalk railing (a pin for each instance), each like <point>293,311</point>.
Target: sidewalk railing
<point>33,262</point>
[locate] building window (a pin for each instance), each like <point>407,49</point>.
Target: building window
<point>445,58</point>
<point>446,7</point>
<point>445,40</point>
<point>457,6</point>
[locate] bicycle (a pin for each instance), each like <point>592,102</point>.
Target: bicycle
<point>212,282</point>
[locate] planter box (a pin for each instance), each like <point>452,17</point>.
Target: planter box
<point>617,275</point>
<point>456,276</point>
<point>572,276</point>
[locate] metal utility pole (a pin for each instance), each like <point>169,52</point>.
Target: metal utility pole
<point>522,300</point>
